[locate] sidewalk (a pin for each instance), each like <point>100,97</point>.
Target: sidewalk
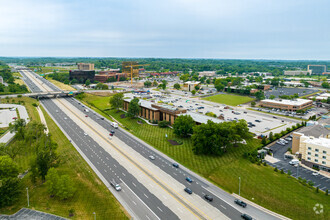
<point>42,118</point>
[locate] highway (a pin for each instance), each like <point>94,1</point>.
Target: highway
<point>137,195</point>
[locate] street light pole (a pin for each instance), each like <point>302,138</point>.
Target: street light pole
<point>27,195</point>
<point>239,186</point>
<point>94,215</point>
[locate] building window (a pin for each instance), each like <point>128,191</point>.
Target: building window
<point>316,155</point>
<point>324,152</point>
<point>324,157</point>
<point>309,148</point>
<point>309,153</point>
<point>317,150</point>
<point>323,162</point>
<point>316,160</point>
<point>308,158</point>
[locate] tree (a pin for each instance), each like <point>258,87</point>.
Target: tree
<point>147,84</point>
<point>155,83</point>
<point>10,187</point>
<point>19,127</point>
<point>99,86</point>
<point>183,125</point>
<point>52,181</point>
<point>208,81</point>
<point>134,108</point>
<point>117,100</point>
<point>197,87</point>
<point>193,92</point>
<point>177,86</point>
<point>88,82</point>
<point>163,124</point>
<point>65,187</point>
<point>259,95</point>
<point>325,85</point>
<point>264,140</point>
<point>272,97</point>
<point>253,103</point>
<point>271,137</point>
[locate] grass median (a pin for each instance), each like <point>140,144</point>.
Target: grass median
<point>260,184</point>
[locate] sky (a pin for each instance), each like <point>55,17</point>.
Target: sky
<point>224,29</point>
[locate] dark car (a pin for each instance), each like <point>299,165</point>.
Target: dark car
<point>208,197</point>
<point>241,203</point>
<point>257,120</point>
<point>274,117</point>
<point>189,179</point>
<point>112,131</point>
<point>175,165</point>
<point>189,191</point>
<point>247,217</point>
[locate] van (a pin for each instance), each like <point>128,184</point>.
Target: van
<point>114,124</point>
<point>294,162</point>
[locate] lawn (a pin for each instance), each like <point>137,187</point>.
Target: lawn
<point>228,99</point>
<point>60,84</point>
<point>275,191</point>
<point>91,195</point>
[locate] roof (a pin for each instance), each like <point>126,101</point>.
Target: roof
<point>287,101</point>
<point>202,118</point>
<point>192,82</point>
<point>143,103</point>
<point>315,131</point>
<point>324,142</point>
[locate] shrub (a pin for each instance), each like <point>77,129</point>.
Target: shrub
<point>19,96</point>
<point>163,124</point>
<point>310,183</point>
<point>282,171</point>
<point>326,192</point>
<point>317,189</point>
<point>265,164</point>
<point>35,104</point>
<point>275,169</point>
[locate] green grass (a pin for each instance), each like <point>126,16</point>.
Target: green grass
<point>228,99</point>
<point>91,195</point>
<point>308,95</point>
<point>102,102</point>
<point>275,191</point>
<point>285,116</point>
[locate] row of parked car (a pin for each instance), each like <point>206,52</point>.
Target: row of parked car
<point>284,141</point>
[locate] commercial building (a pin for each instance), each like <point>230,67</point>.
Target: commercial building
<point>207,73</point>
<point>85,66</point>
<point>294,84</point>
<point>82,75</point>
<point>317,69</point>
<point>103,76</point>
<point>190,85</point>
<point>297,72</point>
<point>285,104</point>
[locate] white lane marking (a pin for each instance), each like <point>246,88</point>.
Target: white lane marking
<point>159,209</point>
<point>148,217</point>
<point>105,171</point>
<point>123,174</point>
<point>223,207</point>
<point>145,195</point>
<point>175,174</point>
<point>134,202</point>
<point>115,165</point>
<point>133,184</point>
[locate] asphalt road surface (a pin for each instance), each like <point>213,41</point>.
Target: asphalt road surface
<point>137,197</point>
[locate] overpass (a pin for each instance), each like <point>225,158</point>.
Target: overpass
<point>38,95</point>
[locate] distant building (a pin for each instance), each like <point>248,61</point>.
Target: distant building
<point>85,66</point>
<point>297,72</point>
<point>82,75</point>
<point>326,73</point>
<point>190,85</point>
<point>103,76</point>
<point>165,74</point>
<point>286,104</point>
<point>207,73</point>
<point>1,80</point>
<point>294,83</point>
<point>317,69</point>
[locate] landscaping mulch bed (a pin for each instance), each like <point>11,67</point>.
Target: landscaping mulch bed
<point>123,116</point>
<point>173,142</point>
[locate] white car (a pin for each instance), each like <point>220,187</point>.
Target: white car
<point>315,173</point>
<point>151,157</point>
<point>85,133</point>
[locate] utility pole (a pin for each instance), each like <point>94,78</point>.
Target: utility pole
<point>239,186</point>
<point>94,215</point>
<point>27,195</point>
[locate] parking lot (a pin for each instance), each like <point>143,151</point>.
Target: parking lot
<point>319,180</point>
<point>264,124</point>
<point>7,116</point>
<point>289,91</point>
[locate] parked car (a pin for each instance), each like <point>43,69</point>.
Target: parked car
<point>189,191</point>
<point>315,173</point>
<point>288,139</point>
<point>294,162</point>
<point>209,198</point>
<point>189,179</point>
<point>240,203</point>
<point>257,120</point>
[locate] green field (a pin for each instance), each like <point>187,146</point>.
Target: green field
<point>91,195</point>
<point>275,191</point>
<point>228,99</point>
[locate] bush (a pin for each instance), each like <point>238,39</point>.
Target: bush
<point>310,183</point>
<point>282,171</point>
<point>19,96</point>
<point>289,172</point>
<point>275,169</point>
<point>317,189</point>
<point>163,124</point>
<point>35,104</point>
<point>326,192</point>
<point>265,164</point>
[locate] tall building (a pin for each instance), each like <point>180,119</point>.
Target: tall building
<point>317,69</point>
<point>85,66</point>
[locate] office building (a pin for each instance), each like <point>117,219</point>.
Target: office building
<point>103,76</point>
<point>190,85</point>
<point>85,66</point>
<point>297,72</point>
<point>206,73</point>
<point>82,75</point>
<point>286,104</point>
<point>317,69</point>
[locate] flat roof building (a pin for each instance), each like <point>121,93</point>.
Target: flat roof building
<point>297,72</point>
<point>207,73</point>
<point>317,69</point>
<point>81,75</point>
<point>286,104</point>
<point>85,66</point>
<point>190,85</point>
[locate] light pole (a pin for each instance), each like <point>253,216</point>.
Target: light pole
<point>27,195</point>
<point>239,186</point>
<point>297,170</point>
<point>94,215</point>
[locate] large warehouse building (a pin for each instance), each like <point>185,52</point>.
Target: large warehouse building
<point>286,104</point>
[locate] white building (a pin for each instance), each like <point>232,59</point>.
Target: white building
<point>190,85</point>
<point>206,73</point>
<point>297,72</point>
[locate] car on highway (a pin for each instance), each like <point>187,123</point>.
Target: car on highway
<point>175,165</point>
<point>208,198</point>
<point>246,217</point>
<point>65,118</point>
<point>56,111</point>
<point>189,191</point>
<point>257,120</point>
<point>152,157</point>
<point>85,133</point>
<point>240,203</point>
<point>189,179</point>
<point>115,185</point>
<point>86,116</point>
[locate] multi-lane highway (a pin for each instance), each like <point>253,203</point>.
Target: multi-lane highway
<point>151,189</point>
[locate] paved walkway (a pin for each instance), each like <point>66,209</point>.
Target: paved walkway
<point>42,118</point>
<point>30,214</point>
